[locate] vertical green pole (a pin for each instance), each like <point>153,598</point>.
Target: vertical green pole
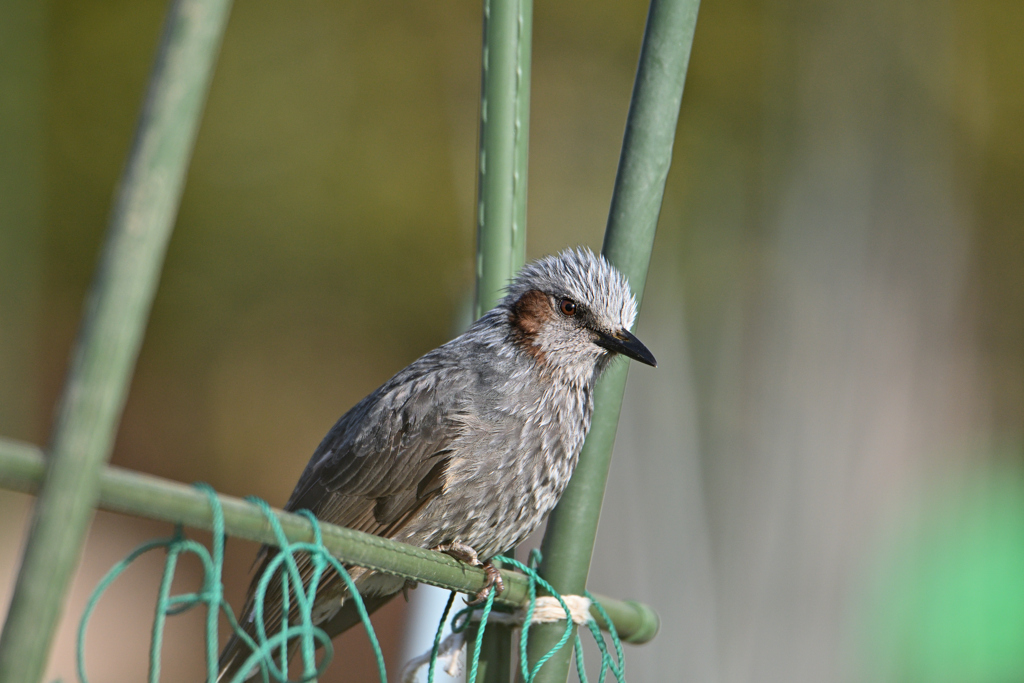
<point>629,238</point>
<point>115,318</point>
<point>504,135</point>
<point>501,218</point>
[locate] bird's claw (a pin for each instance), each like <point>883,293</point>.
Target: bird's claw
<point>464,553</point>
<point>493,580</point>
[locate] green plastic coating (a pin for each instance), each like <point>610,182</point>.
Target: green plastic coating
<point>629,239</point>
<point>501,219</point>
<point>22,468</point>
<point>504,136</point>
<point>112,330</point>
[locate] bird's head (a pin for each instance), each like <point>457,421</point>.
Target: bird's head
<point>573,311</point>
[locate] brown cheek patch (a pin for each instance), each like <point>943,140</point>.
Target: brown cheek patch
<point>527,317</point>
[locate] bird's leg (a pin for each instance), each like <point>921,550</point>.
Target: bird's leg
<point>463,553</point>
<point>460,551</point>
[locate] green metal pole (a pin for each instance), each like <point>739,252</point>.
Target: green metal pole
<point>504,135</point>
<point>629,238</point>
<point>22,468</point>
<point>501,219</point>
<point>115,318</point>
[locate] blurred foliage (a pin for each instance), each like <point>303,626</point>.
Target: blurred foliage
<point>326,235</point>
<point>326,232</point>
<point>947,601</point>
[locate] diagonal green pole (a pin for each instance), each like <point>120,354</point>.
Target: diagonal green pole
<point>629,238</point>
<point>115,318</point>
<point>501,219</point>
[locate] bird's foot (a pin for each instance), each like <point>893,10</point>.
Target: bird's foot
<point>493,580</point>
<point>463,553</point>
<point>460,551</point>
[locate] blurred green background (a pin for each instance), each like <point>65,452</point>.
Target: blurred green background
<point>836,300</point>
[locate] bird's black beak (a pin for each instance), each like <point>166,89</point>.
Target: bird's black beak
<point>628,345</point>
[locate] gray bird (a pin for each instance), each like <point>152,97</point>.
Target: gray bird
<point>468,449</point>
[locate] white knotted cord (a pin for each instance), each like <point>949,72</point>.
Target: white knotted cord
<point>546,610</point>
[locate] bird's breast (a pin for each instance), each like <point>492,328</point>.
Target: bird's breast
<point>509,468</point>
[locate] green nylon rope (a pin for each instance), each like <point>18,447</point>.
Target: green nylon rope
<point>212,595</point>
<point>461,621</point>
<point>270,654</point>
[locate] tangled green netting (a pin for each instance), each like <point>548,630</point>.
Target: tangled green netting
<point>270,654</point>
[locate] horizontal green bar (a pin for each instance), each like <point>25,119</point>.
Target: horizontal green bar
<point>22,467</point>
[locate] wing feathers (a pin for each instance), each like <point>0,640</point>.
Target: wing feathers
<point>378,466</point>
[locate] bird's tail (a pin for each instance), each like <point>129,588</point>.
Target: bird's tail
<point>234,655</point>
<point>237,651</point>
<point>232,659</point>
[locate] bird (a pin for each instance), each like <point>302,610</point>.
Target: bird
<point>468,448</point>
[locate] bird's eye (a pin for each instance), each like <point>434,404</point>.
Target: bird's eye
<point>567,307</point>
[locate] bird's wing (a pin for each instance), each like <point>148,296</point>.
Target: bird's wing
<point>379,464</point>
<point>387,456</point>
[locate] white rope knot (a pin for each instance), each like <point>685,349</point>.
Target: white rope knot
<point>546,610</point>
